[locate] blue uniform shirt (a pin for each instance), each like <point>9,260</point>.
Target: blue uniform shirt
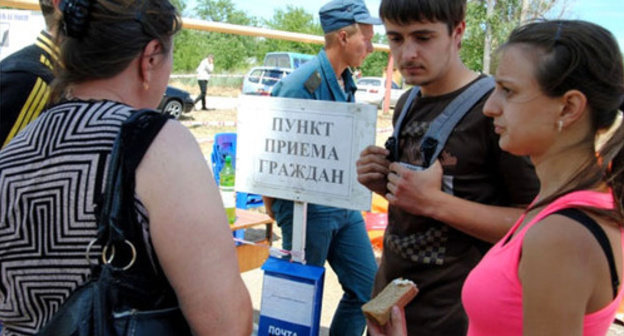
<point>316,79</point>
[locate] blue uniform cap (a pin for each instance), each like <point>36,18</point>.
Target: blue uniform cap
<point>341,13</point>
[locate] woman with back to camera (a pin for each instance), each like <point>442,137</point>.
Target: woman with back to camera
<point>117,58</point>
<point>558,270</point>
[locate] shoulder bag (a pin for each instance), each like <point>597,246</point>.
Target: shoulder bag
<point>126,293</point>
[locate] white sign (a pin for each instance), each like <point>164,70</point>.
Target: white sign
<point>303,150</point>
<point>287,300</point>
<point>18,29</point>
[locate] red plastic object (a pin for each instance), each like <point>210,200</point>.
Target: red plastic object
<point>376,221</point>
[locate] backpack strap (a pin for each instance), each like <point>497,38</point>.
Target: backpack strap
<point>442,126</point>
<point>393,141</point>
<point>598,233</point>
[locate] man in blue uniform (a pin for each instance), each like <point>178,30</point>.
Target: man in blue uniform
<point>25,77</point>
<point>333,234</point>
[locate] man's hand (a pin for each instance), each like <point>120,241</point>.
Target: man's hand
<point>373,169</point>
<point>414,191</point>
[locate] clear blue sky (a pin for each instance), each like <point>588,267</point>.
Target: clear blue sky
<point>607,13</point>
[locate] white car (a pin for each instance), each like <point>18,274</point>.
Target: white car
<point>371,90</point>
<point>261,80</point>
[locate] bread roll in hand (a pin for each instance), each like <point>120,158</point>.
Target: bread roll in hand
<point>398,292</point>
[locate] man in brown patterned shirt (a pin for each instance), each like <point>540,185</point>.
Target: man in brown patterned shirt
<point>441,218</point>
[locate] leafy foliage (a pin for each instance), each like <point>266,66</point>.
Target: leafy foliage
<point>375,64</point>
<point>231,51</point>
<point>472,45</point>
<point>292,19</point>
<point>234,53</point>
<point>507,15</point>
<point>180,5</point>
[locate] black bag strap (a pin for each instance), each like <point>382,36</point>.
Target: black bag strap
<point>442,126</point>
<point>598,233</point>
<point>132,142</point>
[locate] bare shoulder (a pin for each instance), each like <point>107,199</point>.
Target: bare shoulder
<point>173,161</point>
<point>561,240</point>
<point>174,148</point>
<point>173,136</point>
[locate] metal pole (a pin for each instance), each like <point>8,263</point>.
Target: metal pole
<point>300,220</point>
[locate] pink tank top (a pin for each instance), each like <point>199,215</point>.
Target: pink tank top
<point>492,292</point>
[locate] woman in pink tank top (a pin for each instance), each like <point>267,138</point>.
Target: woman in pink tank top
<point>558,270</point>
<point>559,83</point>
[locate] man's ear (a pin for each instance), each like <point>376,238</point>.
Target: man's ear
<point>150,57</point>
<point>574,104</point>
<point>458,33</point>
<point>342,37</point>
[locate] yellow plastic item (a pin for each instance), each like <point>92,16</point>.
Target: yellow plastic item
<point>379,204</point>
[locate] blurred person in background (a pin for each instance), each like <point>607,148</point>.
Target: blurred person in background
<point>26,75</point>
<point>205,68</point>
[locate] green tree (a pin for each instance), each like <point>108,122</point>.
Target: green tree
<point>375,64</point>
<point>180,5</point>
<point>295,19</point>
<point>472,45</point>
<point>223,11</point>
<point>504,17</point>
<point>292,19</point>
<point>231,51</point>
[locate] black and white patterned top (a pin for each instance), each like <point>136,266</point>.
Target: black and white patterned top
<point>51,176</point>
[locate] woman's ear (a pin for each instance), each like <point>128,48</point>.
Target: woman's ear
<point>150,58</point>
<point>574,106</point>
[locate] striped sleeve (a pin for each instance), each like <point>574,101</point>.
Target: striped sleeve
<point>31,109</point>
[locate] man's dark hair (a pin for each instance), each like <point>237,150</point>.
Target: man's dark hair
<point>404,12</point>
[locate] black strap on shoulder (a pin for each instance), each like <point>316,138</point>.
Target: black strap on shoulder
<point>136,135</point>
<point>442,126</point>
<point>394,140</point>
<point>601,237</point>
<point>138,131</point>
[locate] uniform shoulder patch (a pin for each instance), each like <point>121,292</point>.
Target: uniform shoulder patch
<point>313,82</point>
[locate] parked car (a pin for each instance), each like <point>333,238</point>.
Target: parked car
<point>371,90</point>
<point>285,59</point>
<point>175,102</point>
<point>261,80</point>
